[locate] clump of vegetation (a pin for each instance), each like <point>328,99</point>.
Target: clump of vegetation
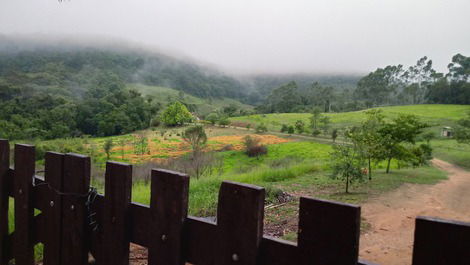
<point>334,135</point>
<point>290,129</point>
<point>196,137</point>
<point>284,128</point>
<point>253,148</point>
<point>261,128</point>
<point>224,122</point>
<point>299,126</point>
<point>212,118</point>
<point>347,165</point>
<point>176,114</point>
<point>108,145</point>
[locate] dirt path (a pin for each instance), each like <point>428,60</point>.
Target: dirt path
<point>392,215</point>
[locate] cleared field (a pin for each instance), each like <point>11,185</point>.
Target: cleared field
<point>435,114</point>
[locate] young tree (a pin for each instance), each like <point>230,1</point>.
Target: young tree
<point>334,135</point>
<point>122,143</point>
<point>299,126</point>
<point>196,137</point>
<point>315,118</point>
<point>176,114</point>
<point>347,164</point>
<point>403,129</point>
<point>367,138</point>
<point>325,124</point>
<point>107,146</point>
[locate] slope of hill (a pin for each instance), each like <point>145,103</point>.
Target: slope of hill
<point>47,64</point>
<point>436,115</point>
<point>203,106</point>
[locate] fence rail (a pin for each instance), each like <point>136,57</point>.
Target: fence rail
<point>74,222</point>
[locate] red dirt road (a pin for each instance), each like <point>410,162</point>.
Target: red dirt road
<point>392,215</point>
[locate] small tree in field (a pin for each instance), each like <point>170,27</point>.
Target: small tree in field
<point>299,126</point>
<point>334,135</point>
<point>108,145</point>
<point>253,148</point>
<point>196,137</point>
<point>347,164</point>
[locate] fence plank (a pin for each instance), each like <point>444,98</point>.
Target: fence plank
<point>240,223</point>
<point>54,163</point>
<point>328,232</point>
<point>24,211</point>
<point>169,208</point>
<point>441,242</point>
<point>116,233</point>
<point>74,217</point>
<point>4,168</point>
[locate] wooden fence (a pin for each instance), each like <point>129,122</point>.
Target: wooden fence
<point>73,222</point>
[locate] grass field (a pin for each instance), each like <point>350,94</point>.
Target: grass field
<point>435,115</point>
<point>452,151</point>
<point>204,106</point>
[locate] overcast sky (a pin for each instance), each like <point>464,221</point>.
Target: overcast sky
<point>263,35</point>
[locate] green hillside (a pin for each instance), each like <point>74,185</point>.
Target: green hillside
<point>164,95</point>
<point>435,114</point>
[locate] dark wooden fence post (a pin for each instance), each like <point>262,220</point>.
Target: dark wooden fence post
<point>76,183</point>
<point>4,199</point>
<point>117,200</point>
<point>441,242</point>
<point>54,172</point>
<point>24,212</point>
<point>328,232</point>
<point>240,215</point>
<point>169,209</point>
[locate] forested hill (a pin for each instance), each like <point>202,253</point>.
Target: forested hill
<point>69,67</point>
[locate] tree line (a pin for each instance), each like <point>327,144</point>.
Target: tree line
<point>391,85</point>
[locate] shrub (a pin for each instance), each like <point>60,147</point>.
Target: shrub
<point>212,118</point>
<point>290,129</point>
<point>253,148</point>
<point>284,128</point>
<point>316,132</point>
<point>224,122</point>
<point>261,128</point>
<point>299,126</point>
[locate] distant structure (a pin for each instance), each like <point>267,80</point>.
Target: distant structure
<point>447,132</point>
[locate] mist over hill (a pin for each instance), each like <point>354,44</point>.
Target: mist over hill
<point>63,62</point>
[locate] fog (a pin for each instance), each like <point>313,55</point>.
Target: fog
<point>260,36</point>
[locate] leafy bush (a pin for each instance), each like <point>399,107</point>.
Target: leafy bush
<point>212,118</point>
<point>316,132</point>
<point>284,128</point>
<point>224,122</point>
<point>299,126</point>
<point>290,129</point>
<point>261,128</point>
<point>253,148</point>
